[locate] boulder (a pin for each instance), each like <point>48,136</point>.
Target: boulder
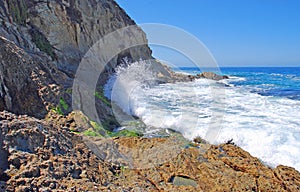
<point>212,76</point>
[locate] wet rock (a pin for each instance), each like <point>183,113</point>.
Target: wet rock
<point>199,140</point>
<point>212,76</point>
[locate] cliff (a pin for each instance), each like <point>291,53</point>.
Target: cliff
<point>65,30</point>
<point>44,146</point>
<point>51,38</point>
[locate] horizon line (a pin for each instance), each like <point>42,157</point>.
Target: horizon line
<point>240,66</point>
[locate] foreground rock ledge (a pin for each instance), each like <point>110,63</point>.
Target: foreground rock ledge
<point>40,155</point>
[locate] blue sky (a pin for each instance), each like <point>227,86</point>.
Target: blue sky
<point>237,32</point>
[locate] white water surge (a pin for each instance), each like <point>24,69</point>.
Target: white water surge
<point>267,127</point>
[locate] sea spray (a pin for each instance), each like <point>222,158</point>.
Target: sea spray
<point>267,126</point>
<point>128,80</point>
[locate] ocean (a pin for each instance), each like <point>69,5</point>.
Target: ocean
<point>258,108</point>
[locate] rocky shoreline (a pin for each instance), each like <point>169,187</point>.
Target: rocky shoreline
<point>44,155</point>
<point>46,146</point>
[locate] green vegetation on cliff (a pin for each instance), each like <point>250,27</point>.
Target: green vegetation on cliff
<point>99,130</point>
<point>63,104</point>
<point>42,42</point>
<point>57,110</point>
<point>101,96</point>
<point>18,10</point>
<point>125,133</point>
<point>61,108</point>
<point>91,133</point>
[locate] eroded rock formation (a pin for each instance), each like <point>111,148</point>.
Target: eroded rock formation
<point>43,155</point>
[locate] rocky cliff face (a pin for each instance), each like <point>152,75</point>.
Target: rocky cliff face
<point>43,42</point>
<point>65,30</point>
<point>28,83</point>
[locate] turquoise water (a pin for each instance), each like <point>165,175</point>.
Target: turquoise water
<point>266,81</point>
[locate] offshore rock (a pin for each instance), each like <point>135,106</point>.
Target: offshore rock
<point>178,77</point>
<point>212,76</point>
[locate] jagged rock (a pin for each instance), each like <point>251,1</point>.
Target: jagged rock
<point>227,167</point>
<point>76,26</point>
<point>26,86</point>
<point>212,76</point>
<point>70,164</point>
<point>169,164</point>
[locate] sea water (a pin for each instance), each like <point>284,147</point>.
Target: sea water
<point>259,108</point>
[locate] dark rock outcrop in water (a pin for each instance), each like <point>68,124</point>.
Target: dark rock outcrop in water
<point>212,76</point>
<point>205,75</point>
<point>41,46</point>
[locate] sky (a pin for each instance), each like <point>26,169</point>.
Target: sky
<point>236,32</point>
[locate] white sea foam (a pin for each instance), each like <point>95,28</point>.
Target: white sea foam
<point>235,78</point>
<point>277,74</point>
<point>228,82</point>
<point>267,127</point>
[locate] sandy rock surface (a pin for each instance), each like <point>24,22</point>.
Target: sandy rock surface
<point>43,155</point>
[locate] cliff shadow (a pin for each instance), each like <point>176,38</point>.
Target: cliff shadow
<point>3,163</point>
